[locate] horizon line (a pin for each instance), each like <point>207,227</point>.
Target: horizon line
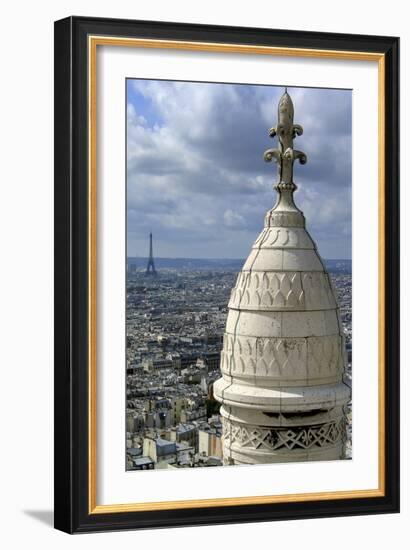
<point>207,258</point>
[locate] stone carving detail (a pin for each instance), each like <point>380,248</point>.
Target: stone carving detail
<point>264,356</point>
<point>281,291</point>
<point>325,354</point>
<point>318,290</point>
<point>274,439</point>
<point>286,131</point>
<point>268,290</point>
<point>287,358</point>
<point>273,237</point>
<point>288,219</point>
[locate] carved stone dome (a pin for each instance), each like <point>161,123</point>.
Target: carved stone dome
<point>283,357</point>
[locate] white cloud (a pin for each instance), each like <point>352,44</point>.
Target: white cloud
<point>233,219</point>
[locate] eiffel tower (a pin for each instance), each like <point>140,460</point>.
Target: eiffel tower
<point>151,271</point>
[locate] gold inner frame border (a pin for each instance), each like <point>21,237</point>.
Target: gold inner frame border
<point>93,43</point>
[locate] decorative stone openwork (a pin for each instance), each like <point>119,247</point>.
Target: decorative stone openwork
<point>283,357</point>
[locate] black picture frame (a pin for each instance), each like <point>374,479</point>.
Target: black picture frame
<point>71,418</point>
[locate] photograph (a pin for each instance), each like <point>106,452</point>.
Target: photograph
<point>238,274</point>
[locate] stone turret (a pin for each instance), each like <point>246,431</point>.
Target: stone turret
<point>283,358</point>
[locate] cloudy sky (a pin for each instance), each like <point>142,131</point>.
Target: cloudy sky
<point>196,175</point>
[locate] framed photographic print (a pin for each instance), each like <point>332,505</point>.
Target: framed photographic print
<point>226,274</point>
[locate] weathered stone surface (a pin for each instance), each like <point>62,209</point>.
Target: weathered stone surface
<point>282,290</point>
<point>290,399</point>
<point>283,361</point>
<point>253,444</point>
<point>276,237</point>
<point>283,357</point>
<point>300,324</point>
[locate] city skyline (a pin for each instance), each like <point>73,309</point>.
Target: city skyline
<point>147,257</point>
<point>202,187</point>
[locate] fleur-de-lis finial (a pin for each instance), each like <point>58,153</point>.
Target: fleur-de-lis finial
<point>285,156</point>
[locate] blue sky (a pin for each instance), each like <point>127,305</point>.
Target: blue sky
<point>196,176</point>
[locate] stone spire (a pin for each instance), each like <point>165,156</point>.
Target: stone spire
<point>285,157</point>
<point>283,357</point>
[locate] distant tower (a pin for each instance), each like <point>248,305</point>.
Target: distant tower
<point>150,266</point>
<point>282,391</point>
